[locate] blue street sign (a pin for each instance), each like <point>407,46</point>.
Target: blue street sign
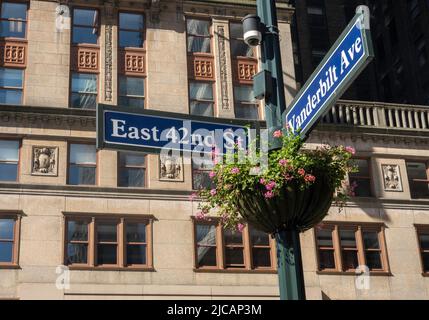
<point>341,65</point>
<point>151,131</point>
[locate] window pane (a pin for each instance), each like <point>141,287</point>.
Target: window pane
<point>259,238</point>
<point>206,234</point>
<point>244,93</point>
<point>324,238</point>
<point>350,259</point>
<point>85,17</point>
<point>419,189</point>
<point>131,102</point>
<point>136,232</point>
<point>261,257</point>
<point>373,260</point>
<point>77,231</point>
<point>12,10</point>
<point>83,100</point>
<point>82,154</point>
<point>85,35</point>
<point>198,44</point>
<point>130,39</point>
<point>9,150</point>
<point>234,256</point>
<point>363,168</point>
<point>106,254</point>
<point>198,27</point>
<point>200,91</point>
<point>417,171</point>
<point>6,251</point>
<point>81,175</point>
<point>236,30</point>
<point>363,187</point>
<point>348,239</point>
<point>201,180</point>
<point>107,231</point>
<point>132,177</point>
<point>11,77</point>
<point>84,83</point>
<point>10,96</point>
<point>246,111</point>
<point>136,254</point>
<point>232,237</point>
<point>131,159</point>
<point>8,172</point>
<point>77,253</point>
<point>326,259</point>
<point>131,86</point>
<point>13,29</point>
<point>130,21</point>
<point>370,240</point>
<point>424,241</point>
<point>240,49</point>
<point>6,229</point>
<point>202,108</point>
<point>425,257</point>
<point>206,256</point>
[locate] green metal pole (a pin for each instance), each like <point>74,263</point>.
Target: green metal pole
<point>289,265</point>
<point>275,105</point>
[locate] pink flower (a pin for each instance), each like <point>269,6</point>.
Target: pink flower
<point>269,195</point>
<point>309,178</point>
<point>212,174</point>
<point>262,181</point>
<point>193,196</point>
<point>270,186</point>
<point>277,134</point>
<point>301,172</point>
<point>235,170</point>
<point>283,162</point>
<point>350,150</point>
<point>288,177</point>
<point>213,192</point>
<point>200,215</point>
<point>240,227</point>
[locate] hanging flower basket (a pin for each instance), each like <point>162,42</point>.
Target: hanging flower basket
<point>295,191</point>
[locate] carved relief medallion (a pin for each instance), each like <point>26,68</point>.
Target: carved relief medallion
<point>45,161</point>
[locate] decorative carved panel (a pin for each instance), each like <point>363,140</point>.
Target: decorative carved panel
<point>85,59</point>
<point>391,177</point>
<point>245,70</point>
<point>223,67</point>
<point>133,62</point>
<point>201,67</point>
<point>171,168</point>
<point>13,54</point>
<point>45,161</point>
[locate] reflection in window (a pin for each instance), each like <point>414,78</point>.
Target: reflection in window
<point>13,20</point>
<point>132,169</point>
<point>238,47</point>
<point>206,245</point>
<point>131,92</point>
<point>136,247</point>
<point>198,32</point>
<point>107,242</point>
<point>84,91</point>
<point>325,247</point>
<point>77,241</point>
<point>260,249</point>
<point>234,249</point>
<point>11,85</point>
<point>361,180</point>
<point>423,235</point>
<point>246,107</point>
<point>85,26</point>
<point>349,251</point>
<point>131,30</point>
<point>201,98</point>
<point>200,174</point>
<point>9,160</point>
<point>7,240</point>
<point>82,164</point>
<point>418,179</point>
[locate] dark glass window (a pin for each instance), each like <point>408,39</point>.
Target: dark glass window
<point>325,249</point>
<point>361,180</point>
<point>206,245</point>
<point>238,47</point>
<point>201,98</point>
<point>7,240</point>
<point>82,164</point>
<point>418,179</point>
<point>77,241</point>
<point>200,175</point>
<point>260,249</point>
<point>84,90</point>
<point>349,251</point>
<point>234,249</point>
<point>132,169</point>
<point>9,160</point>
<point>136,248</point>
<point>372,249</point>
<point>198,32</point>
<point>107,242</point>
<point>13,20</point>
<point>131,92</point>
<point>11,86</point>
<point>423,235</point>
<point>246,107</point>
<point>131,30</point>
<point>85,26</point>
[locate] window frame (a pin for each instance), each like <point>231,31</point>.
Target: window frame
<point>125,75</point>
<point>98,27</point>
<point>370,178</point>
<point>18,170</point>
<point>193,170</point>
<point>359,228</point>
<point>255,104</point>
<point>210,36</point>
<point>145,167</point>
<point>21,89</point>
<point>422,229</point>
<point>26,20</point>
<point>71,89</point>
<point>69,144</point>
<point>143,31</point>
<point>15,215</point>
<point>121,262</point>
<point>231,39</point>
<point>212,83</point>
<point>426,163</point>
<point>220,251</point>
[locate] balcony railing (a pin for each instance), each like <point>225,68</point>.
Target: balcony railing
<point>378,115</point>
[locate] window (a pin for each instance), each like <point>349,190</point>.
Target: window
<point>131,91</point>
<point>9,238</point>
<point>201,98</point>
<point>238,47</point>
<point>200,175</point>
<point>345,247</point>
<point>11,85</point>
<point>105,242</point>
<point>82,164</point>
<point>418,179</point>
<point>84,90</point>
<point>131,30</point>
<point>85,26</point>
<point>246,107</point>
<point>361,180</point>
<point>9,160</point>
<point>423,238</point>
<point>132,169</point>
<point>198,33</point>
<point>222,249</point>
<point>13,20</point>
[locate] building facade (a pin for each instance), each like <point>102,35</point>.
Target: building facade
<point>81,223</point>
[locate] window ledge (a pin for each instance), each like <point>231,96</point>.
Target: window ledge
<point>83,268</point>
<point>341,273</point>
<point>425,274</point>
<point>198,270</point>
<point>9,266</point>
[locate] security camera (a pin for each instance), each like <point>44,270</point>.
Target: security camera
<point>252,30</point>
